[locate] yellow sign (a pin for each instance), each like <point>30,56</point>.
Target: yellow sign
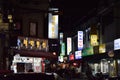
<point>102,48</point>
<point>38,44</point>
<point>25,42</point>
<point>32,43</point>
<point>93,40</point>
<point>44,44</point>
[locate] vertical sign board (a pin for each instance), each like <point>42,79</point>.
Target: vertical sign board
<point>61,38</point>
<point>63,49</point>
<point>102,48</point>
<point>53,26</point>
<point>93,39</point>
<point>69,45</point>
<point>80,40</point>
<point>18,43</point>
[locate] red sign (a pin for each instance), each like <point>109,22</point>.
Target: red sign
<point>71,57</point>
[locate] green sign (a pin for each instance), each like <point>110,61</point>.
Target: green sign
<point>62,49</point>
<point>87,51</point>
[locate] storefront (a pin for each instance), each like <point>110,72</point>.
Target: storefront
<point>30,55</point>
<point>106,59</point>
<point>27,64</point>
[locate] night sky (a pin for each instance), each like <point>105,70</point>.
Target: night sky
<point>74,12</point>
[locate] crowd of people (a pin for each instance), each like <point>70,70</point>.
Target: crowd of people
<point>69,71</point>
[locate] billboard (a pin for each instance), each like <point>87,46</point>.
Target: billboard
<point>53,26</point>
<point>80,40</point>
<point>116,44</point>
<point>88,51</point>
<point>78,54</point>
<point>69,45</point>
<point>32,43</point>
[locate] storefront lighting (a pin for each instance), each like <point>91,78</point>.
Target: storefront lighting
<point>44,45</point>
<point>54,53</point>
<point>9,16</point>
<point>10,20</point>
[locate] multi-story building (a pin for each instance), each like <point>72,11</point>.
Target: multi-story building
<point>105,25</point>
<point>26,19</point>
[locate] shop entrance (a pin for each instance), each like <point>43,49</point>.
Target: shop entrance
<point>20,67</point>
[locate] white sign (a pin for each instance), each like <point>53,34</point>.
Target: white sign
<point>53,26</point>
<point>80,40</point>
<point>78,54</point>
<point>69,45</point>
<point>116,44</point>
<point>18,59</point>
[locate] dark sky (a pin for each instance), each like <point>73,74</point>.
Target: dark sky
<point>74,11</point>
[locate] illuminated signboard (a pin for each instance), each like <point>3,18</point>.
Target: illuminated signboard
<point>62,49</point>
<point>18,43</point>
<point>69,45</point>
<point>61,38</point>
<point>23,59</point>
<point>94,39</point>
<point>78,54</point>
<point>88,51</point>
<point>80,40</point>
<point>102,48</point>
<point>116,44</point>
<point>71,57</point>
<point>37,43</point>
<point>44,45</point>
<point>32,43</point>
<point>53,26</point>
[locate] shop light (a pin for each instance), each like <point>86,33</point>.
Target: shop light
<point>54,53</point>
<point>9,16</point>
<point>74,64</point>
<point>10,20</point>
